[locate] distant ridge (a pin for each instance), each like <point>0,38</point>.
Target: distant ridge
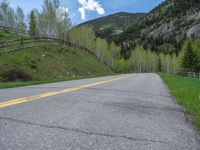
<point>109,26</point>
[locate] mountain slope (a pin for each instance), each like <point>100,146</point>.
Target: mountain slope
<point>165,27</point>
<point>109,26</point>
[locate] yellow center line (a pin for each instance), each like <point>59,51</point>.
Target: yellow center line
<point>48,94</point>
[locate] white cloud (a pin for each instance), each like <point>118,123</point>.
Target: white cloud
<point>82,12</point>
<point>61,12</point>
<point>90,5</point>
<point>100,11</point>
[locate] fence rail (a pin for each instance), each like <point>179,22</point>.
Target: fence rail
<point>189,74</point>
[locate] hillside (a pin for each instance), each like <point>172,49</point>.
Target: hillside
<point>48,62</point>
<point>165,27</point>
<point>109,26</point>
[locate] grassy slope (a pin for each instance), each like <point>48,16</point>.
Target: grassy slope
<point>49,63</point>
<point>187,92</point>
<point>8,36</point>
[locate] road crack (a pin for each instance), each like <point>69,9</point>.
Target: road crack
<point>145,107</point>
<point>178,109</point>
<point>83,132</point>
<point>121,91</point>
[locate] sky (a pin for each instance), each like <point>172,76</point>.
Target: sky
<point>83,10</point>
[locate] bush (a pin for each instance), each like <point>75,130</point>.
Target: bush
<point>122,66</point>
<point>13,73</point>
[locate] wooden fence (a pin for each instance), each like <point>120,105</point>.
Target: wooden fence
<point>24,43</point>
<point>189,73</point>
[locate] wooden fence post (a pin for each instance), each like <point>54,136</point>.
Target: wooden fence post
<point>22,43</point>
<point>5,47</point>
<point>34,41</point>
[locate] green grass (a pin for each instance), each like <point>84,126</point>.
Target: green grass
<point>187,92</point>
<point>50,63</point>
<point>9,36</point>
<point>55,62</point>
<point>4,85</point>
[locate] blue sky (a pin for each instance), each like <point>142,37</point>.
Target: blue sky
<point>83,10</point>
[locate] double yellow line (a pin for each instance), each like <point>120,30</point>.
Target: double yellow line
<point>48,94</point>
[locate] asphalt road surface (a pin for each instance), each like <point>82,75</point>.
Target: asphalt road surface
<point>125,112</point>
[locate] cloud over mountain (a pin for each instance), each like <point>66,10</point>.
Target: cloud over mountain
<point>90,5</point>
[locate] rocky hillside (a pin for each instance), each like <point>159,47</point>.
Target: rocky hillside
<point>109,26</point>
<point>165,27</point>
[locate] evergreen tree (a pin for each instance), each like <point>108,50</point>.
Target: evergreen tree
<point>190,59</point>
<point>32,24</point>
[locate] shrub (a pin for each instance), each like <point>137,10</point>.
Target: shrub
<point>14,73</point>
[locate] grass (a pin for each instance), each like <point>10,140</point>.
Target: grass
<point>9,36</point>
<point>5,85</point>
<point>187,92</point>
<point>50,63</point>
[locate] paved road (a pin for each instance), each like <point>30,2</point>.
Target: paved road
<point>135,112</point>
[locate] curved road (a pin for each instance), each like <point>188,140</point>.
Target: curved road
<point>125,112</point>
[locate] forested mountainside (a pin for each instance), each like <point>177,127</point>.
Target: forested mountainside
<point>109,26</point>
<point>165,28</point>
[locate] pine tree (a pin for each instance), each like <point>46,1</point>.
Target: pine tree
<point>190,59</point>
<point>32,24</point>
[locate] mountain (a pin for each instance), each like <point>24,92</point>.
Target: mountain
<point>109,26</point>
<point>164,28</point>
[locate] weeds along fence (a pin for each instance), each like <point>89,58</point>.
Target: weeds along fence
<point>18,31</point>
